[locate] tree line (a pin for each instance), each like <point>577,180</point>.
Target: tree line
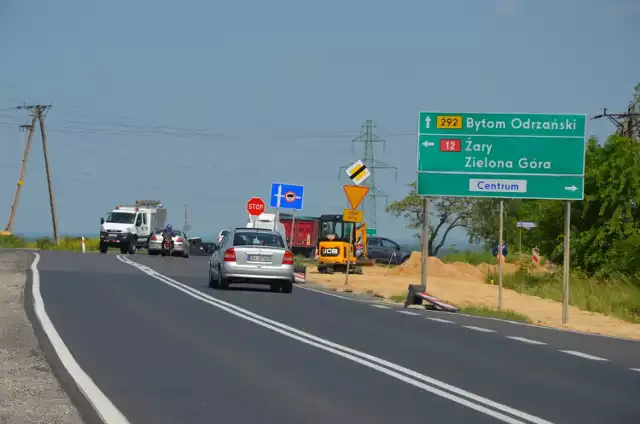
<point>605,226</point>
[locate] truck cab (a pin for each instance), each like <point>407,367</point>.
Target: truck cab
<point>128,227</point>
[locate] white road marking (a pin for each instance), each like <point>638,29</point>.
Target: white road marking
<point>525,340</point>
<point>406,375</point>
<point>328,294</point>
<point>446,321</point>
<point>102,405</point>
<point>380,306</point>
<point>408,313</point>
<point>543,327</point>
<point>583,355</point>
<point>635,369</point>
<point>484,330</point>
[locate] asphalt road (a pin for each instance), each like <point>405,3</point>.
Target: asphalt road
<point>172,350</point>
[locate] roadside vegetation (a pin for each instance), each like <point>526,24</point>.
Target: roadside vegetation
<point>605,230</point>
<point>73,244</point>
<point>483,311</point>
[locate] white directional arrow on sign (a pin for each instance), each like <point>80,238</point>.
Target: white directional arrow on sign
<point>428,144</point>
<point>427,121</point>
<point>571,188</point>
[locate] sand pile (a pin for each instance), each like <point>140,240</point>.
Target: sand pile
<point>437,268</point>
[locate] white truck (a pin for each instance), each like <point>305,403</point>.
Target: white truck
<point>266,221</point>
<point>128,227</point>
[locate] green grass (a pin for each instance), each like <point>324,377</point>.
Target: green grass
<point>470,257</point>
<point>73,244</point>
<point>400,297</point>
<point>618,296</point>
<point>484,311</point>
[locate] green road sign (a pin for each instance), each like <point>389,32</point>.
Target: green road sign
<point>528,156</point>
<point>371,231</point>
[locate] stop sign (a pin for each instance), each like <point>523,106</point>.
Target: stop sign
<point>255,206</point>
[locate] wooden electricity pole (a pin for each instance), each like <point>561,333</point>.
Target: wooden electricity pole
<point>38,113</point>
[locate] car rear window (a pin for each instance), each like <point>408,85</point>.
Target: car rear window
<point>257,239</point>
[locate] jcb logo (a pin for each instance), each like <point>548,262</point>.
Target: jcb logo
<point>330,251</point>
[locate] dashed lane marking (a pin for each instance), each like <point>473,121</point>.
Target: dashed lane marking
<point>446,321</point>
<point>525,340</point>
<point>380,306</point>
<point>482,329</point>
<point>408,313</point>
<point>583,355</point>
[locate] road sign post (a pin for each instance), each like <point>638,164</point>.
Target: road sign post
<point>500,256</point>
<point>355,194</point>
<point>255,206</point>
<point>505,156</point>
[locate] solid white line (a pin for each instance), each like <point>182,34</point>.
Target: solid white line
<point>380,306</point>
<point>408,313</point>
<point>484,330</point>
<point>635,369</point>
<point>102,405</point>
<point>433,386</point>
<point>446,321</point>
<point>583,355</point>
<point>525,340</point>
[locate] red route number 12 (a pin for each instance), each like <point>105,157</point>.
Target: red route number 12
<point>450,145</point>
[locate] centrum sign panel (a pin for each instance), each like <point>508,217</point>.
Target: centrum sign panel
<point>534,156</point>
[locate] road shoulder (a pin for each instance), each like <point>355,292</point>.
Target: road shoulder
<point>30,391</point>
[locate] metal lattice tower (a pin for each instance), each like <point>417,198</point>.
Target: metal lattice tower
<point>369,204</point>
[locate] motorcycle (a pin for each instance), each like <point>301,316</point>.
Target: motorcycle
<point>167,246</point>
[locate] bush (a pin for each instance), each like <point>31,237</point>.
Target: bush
<point>12,242</point>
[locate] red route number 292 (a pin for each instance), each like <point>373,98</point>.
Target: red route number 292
<point>450,145</point>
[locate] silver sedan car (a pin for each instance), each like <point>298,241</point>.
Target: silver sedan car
<point>181,244</point>
<point>252,255</point>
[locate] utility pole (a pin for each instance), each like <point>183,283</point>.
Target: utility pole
<point>627,124</point>
<point>38,113</point>
<point>186,227</point>
<point>369,204</point>
<point>23,170</point>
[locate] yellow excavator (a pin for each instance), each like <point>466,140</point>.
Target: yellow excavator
<point>334,250</point>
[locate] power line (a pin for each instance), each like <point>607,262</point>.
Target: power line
<point>369,139</point>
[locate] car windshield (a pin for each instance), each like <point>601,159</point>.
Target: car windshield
<point>120,217</point>
<point>258,239</point>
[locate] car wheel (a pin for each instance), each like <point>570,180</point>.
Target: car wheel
<point>276,287</point>
<point>212,283</point>
<point>103,248</point>
<point>223,284</point>
<point>287,286</point>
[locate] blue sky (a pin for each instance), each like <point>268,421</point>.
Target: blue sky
<point>207,103</point>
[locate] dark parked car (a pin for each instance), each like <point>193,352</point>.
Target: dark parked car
<point>384,250</point>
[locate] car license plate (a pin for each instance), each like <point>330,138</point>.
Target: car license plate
<point>113,235</point>
<point>258,258</point>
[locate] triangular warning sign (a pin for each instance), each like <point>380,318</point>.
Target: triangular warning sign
<point>355,194</point>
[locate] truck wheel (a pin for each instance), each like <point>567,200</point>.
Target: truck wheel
<point>103,248</point>
<point>123,250</point>
<point>131,248</point>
